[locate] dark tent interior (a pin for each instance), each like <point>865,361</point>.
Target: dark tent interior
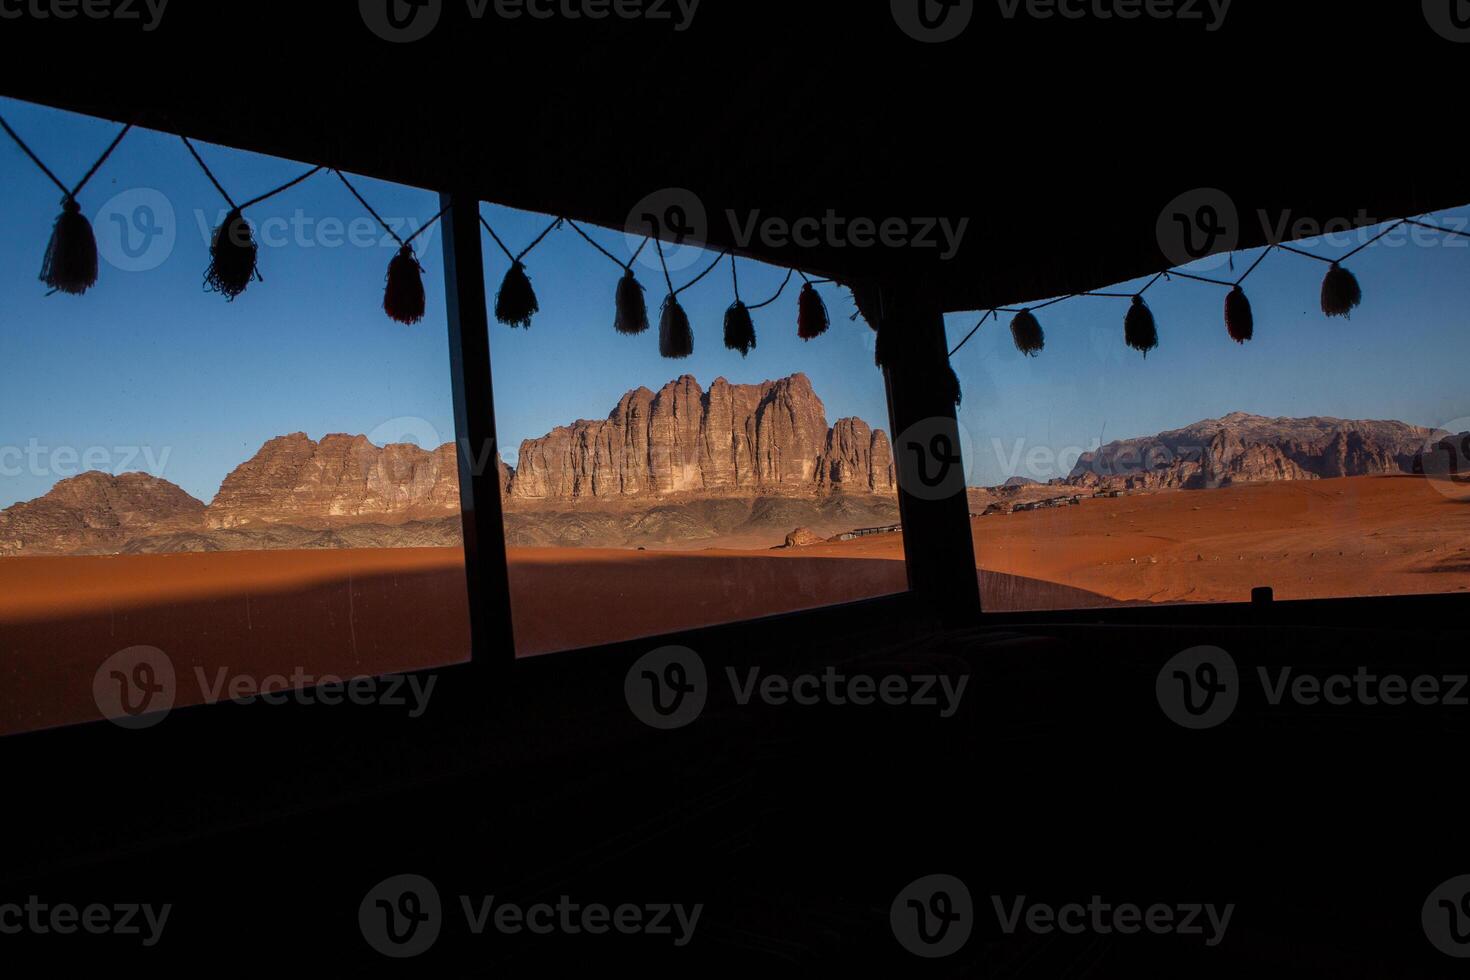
<point>1058,778</point>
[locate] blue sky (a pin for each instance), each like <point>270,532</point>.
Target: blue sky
<point>147,371</point>
<point>1402,355</point>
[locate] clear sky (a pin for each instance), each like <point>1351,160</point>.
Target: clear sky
<point>1403,355</point>
<point>149,372</point>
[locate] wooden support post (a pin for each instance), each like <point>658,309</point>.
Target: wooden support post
<point>927,451</point>
<point>486,575</point>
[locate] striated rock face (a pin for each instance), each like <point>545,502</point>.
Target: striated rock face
<point>730,439</point>
<point>857,458</point>
<point>294,479</point>
<point>96,512</point>
<point>1242,448</point>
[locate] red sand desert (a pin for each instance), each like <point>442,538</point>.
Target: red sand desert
<point>373,611</point>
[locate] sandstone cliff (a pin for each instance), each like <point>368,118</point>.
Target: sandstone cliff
<point>1243,448</point>
<point>730,440</point>
<point>296,480</point>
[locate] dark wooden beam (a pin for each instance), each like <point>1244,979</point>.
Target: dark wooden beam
<point>927,450</point>
<point>486,571</point>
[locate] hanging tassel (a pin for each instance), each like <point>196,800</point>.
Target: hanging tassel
<point>811,313</point>
<point>675,339</point>
<point>1139,329</point>
<point>949,384</point>
<point>232,257</point>
<point>71,257</point>
<point>1341,293</point>
<point>1239,320</point>
<point>515,304</point>
<point>884,345</point>
<point>739,328</point>
<point>404,299</point>
<point>632,316</point>
<point>1026,332</point>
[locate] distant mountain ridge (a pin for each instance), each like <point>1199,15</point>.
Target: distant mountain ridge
<point>1245,448</point>
<point>678,446</point>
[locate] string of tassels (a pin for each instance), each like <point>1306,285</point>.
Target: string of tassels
<point>233,254</point>
<point>675,337</point>
<point>70,265</point>
<point>515,303</point>
<point>631,314</point>
<point>1341,294</point>
<point>404,299</point>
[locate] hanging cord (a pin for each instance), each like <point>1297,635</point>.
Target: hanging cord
<point>735,280</point>
<point>402,242</point>
<point>669,280</point>
<point>516,259</point>
<point>707,270</point>
<point>1445,231</point>
<point>784,283</point>
<point>226,194</point>
<point>70,195</point>
<point>987,316</point>
<point>626,266</point>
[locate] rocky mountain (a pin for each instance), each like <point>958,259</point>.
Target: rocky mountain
<point>342,479</point>
<point>683,464</point>
<point>96,512</point>
<point>1243,448</point>
<point>731,440</point>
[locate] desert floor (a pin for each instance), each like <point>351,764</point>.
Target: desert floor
<point>350,613</point>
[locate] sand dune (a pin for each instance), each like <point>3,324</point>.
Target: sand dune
<point>371,611</point>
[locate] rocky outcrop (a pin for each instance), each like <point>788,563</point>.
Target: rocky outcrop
<point>96,512</point>
<point>857,458</point>
<point>732,439</point>
<point>1243,448</point>
<point>678,464</point>
<point>296,480</point>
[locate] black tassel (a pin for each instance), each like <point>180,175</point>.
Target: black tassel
<point>1026,332</point>
<point>1139,329</point>
<point>675,339</point>
<point>739,328</point>
<point>1239,319</point>
<point>632,314</point>
<point>71,257</point>
<point>515,304</point>
<point>232,256</point>
<point>404,299</point>
<point>1341,293</point>
<point>811,313</point>
<point>949,384</point>
<point>882,346</point>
